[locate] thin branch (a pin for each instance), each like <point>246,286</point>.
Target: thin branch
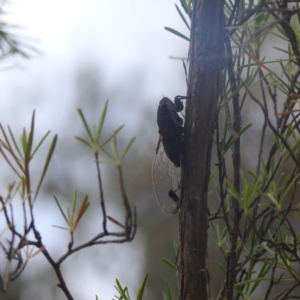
<point>102,204</point>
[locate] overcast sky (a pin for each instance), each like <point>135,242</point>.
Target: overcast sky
<point>121,37</point>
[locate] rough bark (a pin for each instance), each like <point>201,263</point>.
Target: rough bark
<point>206,59</point>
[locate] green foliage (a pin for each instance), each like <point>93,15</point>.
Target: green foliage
<point>170,264</point>
<point>177,33</point>
<point>27,242</point>
<point>13,42</point>
<point>220,237</point>
<point>225,144</point>
<point>71,218</point>
<point>19,156</point>
<point>187,6</point>
<point>94,138</point>
<point>167,296</point>
<point>124,294</point>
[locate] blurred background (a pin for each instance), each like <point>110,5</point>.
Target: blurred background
<point>91,51</point>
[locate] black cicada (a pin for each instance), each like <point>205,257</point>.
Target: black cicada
<point>166,165</point>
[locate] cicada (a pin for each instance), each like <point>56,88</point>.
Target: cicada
<point>166,165</point>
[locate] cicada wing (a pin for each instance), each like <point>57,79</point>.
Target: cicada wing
<point>166,182</point>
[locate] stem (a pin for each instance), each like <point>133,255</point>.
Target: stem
<point>236,157</point>
<point>206,53</point>
<point>102,204</point>
<point>128,218</point>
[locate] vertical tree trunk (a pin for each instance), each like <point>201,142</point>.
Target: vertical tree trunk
<point>206,56</point>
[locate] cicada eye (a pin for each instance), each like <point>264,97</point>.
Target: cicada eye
<point>163,103</point>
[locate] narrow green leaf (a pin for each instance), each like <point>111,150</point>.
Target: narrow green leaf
<point>127,293</point>
<point>182,17</point>
<point>14,141</point>
<point>251,281</point>
<point>213,226</point>
<point>108,154</point>
<point>169,293</point>
<point>238,135</point>
<point>266,175</point>
<point>224,232</point>
<point>272,199</point>
<point>169,264</point>
<point>264,270</point>
<point>31,135</point>
<point>29,146</point>
<point>175,246</point>
<point>287,189</point>
<point>69,214</point>
<point>142,288</point>
<point>40,143</point>
<point>111,136</point>
<point>212,175</point>
<point>282,50</point>
<point>122,290</point>
<point>240,291</point>
<point>101,121</point>
<point>86,207</point>
<point>64,228</point>
<point>250,4</point>
<point>87,129</point>
<point>47,161</point>
<point>254,72</point>
<point>127,148</point>
<point>74,202</point>
<point>228,6</point>
<point>185,7</point>
<point>259,191</point>
<point>61,210</point>
<point>264,245</point>
<point>114,149</point>
<point>177,33</point>
<point>221,267</point>
<point>24,142</point>
<point>232,191</point>
<point>249,275</point>
<point>83,141</point>
<point>225,129</point>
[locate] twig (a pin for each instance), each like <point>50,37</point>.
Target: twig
<point>102,204</point>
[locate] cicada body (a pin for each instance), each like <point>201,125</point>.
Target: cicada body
<point>167,162</point>
<point>170,128</point>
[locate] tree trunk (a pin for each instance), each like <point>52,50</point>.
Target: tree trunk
<point>206,56</point>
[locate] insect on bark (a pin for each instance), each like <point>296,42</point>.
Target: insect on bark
<point>167,161</point>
